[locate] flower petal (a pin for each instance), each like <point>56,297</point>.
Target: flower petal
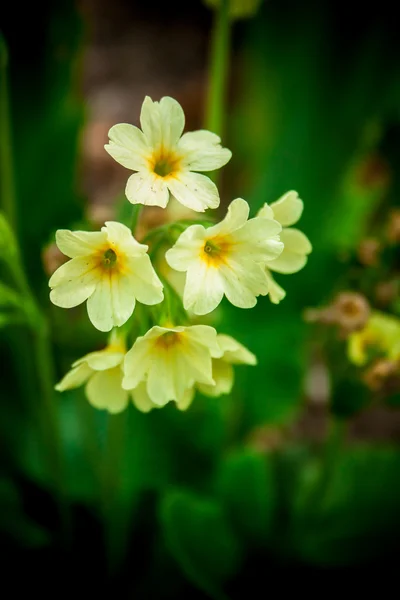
<point>137,361</point>
<point>235,218</point>
<point>266,212</point>
<point>160,379</point>
<point>186,400</point>
<point>223,375</point>
<point>172,121</point>
<point>205,335</point>
<point>79,243</point>
<point>104,391</point>
<point>127,146</point>
<point>74,378</point>
<point>100,305</point>
<point>276,292</point>
<point>73,269</point>
<point>258,239</point>
<point>194,190</point>
<point>147,188</point>
<point>74,291</point>
<point>243,281</point>
<point>294,255</point>
<point>202,151</point>
<point>288,209</point>
<point>101,360</point>
<point>204,289</point>
<point>143,281</point>
<point>141,399</point>
<point>187,248</point>
<point>121,237</point>
<point>234,352</point>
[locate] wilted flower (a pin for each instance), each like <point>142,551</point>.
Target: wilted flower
<point>383,376</point>
<point>368,252</point>
<point>223,374</point>
<point>170,361</point>
<point>226,259</point>
<point>287,211</point>
<point>109,269</point>
<point>165,159</point>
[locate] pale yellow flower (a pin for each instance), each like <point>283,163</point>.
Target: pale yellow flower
<point>109,269</point>
<point>234,353</point>
<point>287,211</point>
<point>226,259</point>
<point>379,338</point>
<point>169,361</point>
<point>165,160</point>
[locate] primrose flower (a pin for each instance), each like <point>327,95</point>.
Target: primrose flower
<point>102,373</point>
<point>170,361</point>
<point>109,269</point>
<point>222,370</point>
<point>380,338</point>
<point>287,211</point>
<point>165,159</point>
<point>226,258</point>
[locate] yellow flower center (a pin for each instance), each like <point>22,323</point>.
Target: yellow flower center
<point>109,258</point>
<point>165,163</point>
<point>214,251</point>
<point>169,339</point>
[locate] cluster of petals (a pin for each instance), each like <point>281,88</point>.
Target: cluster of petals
<point>287,211</point>
<point>226,259</point>
<point>167,162</point>
<point>109,269</point>
<point>379,338</point>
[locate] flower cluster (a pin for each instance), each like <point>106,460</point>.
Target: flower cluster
<point>111,271</point>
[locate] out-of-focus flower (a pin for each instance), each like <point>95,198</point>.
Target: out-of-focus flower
<point>165,160</point>
<point>238,9</point>
<point>226,259</point>
<point>383,376</point>
<point>287,211</point>
<point>109,269</point>
<point>380,338</point>
<point>223,374</point>
<point>170,361</point>
<point>350,311</point>
<point>387,291</point>
<point>393,229</point>
<point>368,252</point>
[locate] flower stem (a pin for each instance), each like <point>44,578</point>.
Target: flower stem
<point>7,187</point>
<point>219,63</point>
<point>136,210</point>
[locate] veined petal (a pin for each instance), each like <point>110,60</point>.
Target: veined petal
<point>160,379</point>
<point>172,121</point>
<point>74,378</point>
<point>288,209</point>
<point>294,255</point>
<point>223,375</point>
<point>204,289</point>
<point>127,146</point>
<point>74,292</point>
<point>235,218</point>
<point>122,299</point>
<point>234,352</point>
<point>137,361</point>
<point>196,363</point>
<point>143,281</point>
<point>243,281</point>
<point>202,151</point>
<point>276,292</point>
<point>104,391</point>
<point>147,188</point>
<point>258,239</point>
<point>120,236</point>
<point>73,269</point>
<point>194,190</point>
<point>79,243</point>
<point>150,122</point>
<point>206,336</point>
<point>100,305</point>
<point>186,249</point>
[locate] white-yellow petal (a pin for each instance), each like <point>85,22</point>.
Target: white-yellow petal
<point>137,361</point>
<point>79,243</point>
<point>101,360</point>
<point>147,188</point>
<point>205,336</point>
<point>75,268</point>
<point>234,352</point>
<point>143,281</point>
<point>186,400</point>
<point>276,292</point>
<point>235,218</point>
<point>120,237</point>
<point>104,391</point>
<point>75,291</point>
<point>203,290</point>
<point>193,190</point>
<point>243,281</point>
<point>224,377</point>
<point>75,377</point>
<point>141,398</point>
<point>288,209</point>
<point>172,121</point>
<point>185,252</point>
<point>127,146</point>
<point>266,212</point>
<point>258,239</point>
<point>99,305</point>
<point>202,151</point>
<point>294,256</point>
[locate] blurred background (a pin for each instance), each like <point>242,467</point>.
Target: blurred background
<point>298,468</point>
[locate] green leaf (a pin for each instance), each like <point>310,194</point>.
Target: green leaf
<point>199,537</point>
<point>247,490</point>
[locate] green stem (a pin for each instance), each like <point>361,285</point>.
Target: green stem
<point>136,210</point>
<point>219,63</point>
<point>7,187</point>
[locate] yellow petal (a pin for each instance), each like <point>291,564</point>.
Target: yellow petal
<point>288,209</point>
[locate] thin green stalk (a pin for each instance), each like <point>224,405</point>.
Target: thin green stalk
<point>219,66</point>
<point>136,210</point>
<point>7,187</point>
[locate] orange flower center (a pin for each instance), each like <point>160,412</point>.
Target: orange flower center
<point>165,163</point>
<point>214,251</point>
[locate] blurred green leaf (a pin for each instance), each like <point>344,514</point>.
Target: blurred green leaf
<point>200,539</point>
<point>246,487</point>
